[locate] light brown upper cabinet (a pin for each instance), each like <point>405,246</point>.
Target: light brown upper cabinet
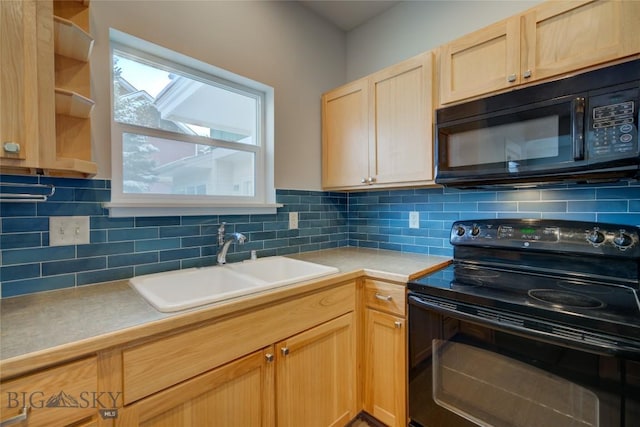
<point>345,139</point>
<point>377,130</point>
<point>19,46</point>
<point>44,88</point>
<point>551,39</point>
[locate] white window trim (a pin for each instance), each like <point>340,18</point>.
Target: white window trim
<point>126,205</point>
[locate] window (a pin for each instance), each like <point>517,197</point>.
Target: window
<point>187,137</point>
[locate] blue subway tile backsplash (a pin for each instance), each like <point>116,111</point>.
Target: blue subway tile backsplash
<point>121,248</point>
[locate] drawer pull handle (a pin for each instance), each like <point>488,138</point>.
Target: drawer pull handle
<point>383,297</point>
<point>269,357</point>
<point>11,147</point>
<point>284,351</point>
<point>22,416</point>
<point>397,324</point>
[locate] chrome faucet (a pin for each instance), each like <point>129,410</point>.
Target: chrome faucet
<point>224,241</point>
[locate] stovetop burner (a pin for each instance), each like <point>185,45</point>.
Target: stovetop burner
<point>563,299</point>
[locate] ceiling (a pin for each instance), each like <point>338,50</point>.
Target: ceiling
<point>348,14</point>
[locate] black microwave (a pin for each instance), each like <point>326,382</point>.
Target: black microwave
<point>582,128</point>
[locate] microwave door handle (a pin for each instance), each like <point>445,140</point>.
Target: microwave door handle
<point>577,129</point>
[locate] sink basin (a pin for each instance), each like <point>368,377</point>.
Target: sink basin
<point>280,271</point>
<point>182,289</point>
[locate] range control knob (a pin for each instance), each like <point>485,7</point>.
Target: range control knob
<point>623,240</point>
<point>475,230</point>
<point>460,230</point>
<point>595,237</point>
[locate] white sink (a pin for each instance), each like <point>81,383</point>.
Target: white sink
<point>182,289</point>
<point>280,271</point>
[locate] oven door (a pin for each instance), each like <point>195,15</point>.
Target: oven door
<point>464,373</point>
<point>526,142</point>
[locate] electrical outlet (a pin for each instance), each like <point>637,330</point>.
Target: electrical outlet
<point>68,230</point>
<point>414,219</point>
<point>293,220</point>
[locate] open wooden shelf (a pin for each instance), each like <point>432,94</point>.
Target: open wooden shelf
<point>64,166</point>
<point>71,41</point>
<point>73,104</point>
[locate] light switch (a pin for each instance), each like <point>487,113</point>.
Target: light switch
<point>414,219</point>
<point>68,230</point>
<point>293,220</point>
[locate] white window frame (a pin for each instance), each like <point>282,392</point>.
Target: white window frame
<point>134,204</point>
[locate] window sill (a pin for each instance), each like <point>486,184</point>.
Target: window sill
<point>119,210</point>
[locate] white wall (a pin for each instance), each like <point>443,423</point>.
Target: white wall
<point>284,45</point>
<point>412,27</point>
<point>281,44</point>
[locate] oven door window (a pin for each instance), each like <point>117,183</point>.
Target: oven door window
<point>491,389</point>
<point>512,143</point>
<point>464,374</point>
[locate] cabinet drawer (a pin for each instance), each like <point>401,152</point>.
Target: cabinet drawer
<point>385,296</point>
<point>157,365</point>
<point>57,396</point>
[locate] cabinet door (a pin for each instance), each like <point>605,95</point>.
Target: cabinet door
<point>401,125</point>
<point>18,84</point>
<point>345,144</point>
<point>481,62</point>
<point>385,368</point>
<point>237,394</point>
<point>561,37</point>
<point>315,380</point>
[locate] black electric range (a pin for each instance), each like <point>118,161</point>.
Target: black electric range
<point>567,280</point>
<point>536,322</point>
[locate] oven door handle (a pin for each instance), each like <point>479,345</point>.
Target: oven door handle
<point>509,322</point>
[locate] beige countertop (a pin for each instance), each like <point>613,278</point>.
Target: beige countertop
<point>94,317</point>
<point>380,264</point>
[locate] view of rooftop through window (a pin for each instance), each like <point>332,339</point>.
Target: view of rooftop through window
<point>183,134</point>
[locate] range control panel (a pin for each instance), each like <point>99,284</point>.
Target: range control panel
<point>549,235</point>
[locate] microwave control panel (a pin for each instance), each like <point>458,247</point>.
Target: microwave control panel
<point>613,124</point>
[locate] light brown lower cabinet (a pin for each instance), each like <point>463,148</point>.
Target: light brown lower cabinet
<point>239,393</point>
<point>59,396</point>
<point>306,380</point>
<point>316,376</point>
<point>385,365</point>
<point>286,363</point>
